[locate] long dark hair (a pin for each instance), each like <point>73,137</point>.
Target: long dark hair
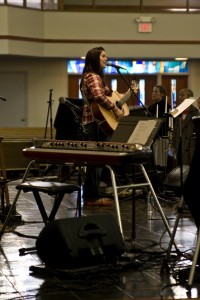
<point>92,62</point>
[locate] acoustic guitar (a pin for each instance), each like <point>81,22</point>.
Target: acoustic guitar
<point>106,118</point>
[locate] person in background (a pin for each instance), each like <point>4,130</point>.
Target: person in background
<point>184,131</point>
<point>198,102</point>
<point>95,90</point>
<point>158,109</point>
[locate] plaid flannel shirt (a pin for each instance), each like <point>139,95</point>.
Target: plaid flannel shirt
<point>95,90</point>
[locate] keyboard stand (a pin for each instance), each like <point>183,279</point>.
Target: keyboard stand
<point>148,184</point>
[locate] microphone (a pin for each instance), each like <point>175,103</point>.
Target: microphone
<point>63,100</point>
<point>3,99</point>
<point>115,66</point>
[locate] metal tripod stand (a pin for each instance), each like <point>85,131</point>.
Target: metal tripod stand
<point>49,116</point>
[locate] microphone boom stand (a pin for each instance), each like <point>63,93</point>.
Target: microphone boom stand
<point>133,92</point>
<point>49,113</point>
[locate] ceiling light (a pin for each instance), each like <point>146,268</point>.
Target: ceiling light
<point>181,58</point>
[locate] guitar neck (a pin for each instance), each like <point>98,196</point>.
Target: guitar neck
<point>125,97</point>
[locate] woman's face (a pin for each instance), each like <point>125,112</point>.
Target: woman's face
<point>103,59</point>
<point>182,96</point>
<point>156,94</point>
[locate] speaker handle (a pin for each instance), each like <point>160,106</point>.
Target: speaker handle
<point>90,230</point>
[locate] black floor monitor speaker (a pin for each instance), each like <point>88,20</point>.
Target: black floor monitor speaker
<point>80,242</point>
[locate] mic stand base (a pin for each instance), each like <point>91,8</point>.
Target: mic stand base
<point>15,217</point>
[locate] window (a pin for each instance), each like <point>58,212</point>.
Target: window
<point>182,6</point>
<point>173,93</point>
<point>135,67</point>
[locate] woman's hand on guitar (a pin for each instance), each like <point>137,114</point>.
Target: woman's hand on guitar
<point>119,113</point>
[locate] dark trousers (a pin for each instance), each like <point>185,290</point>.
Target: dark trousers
<point>93,174</point>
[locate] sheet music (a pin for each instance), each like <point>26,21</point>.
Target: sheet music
<point>184,105</point>
<point>142,132</point>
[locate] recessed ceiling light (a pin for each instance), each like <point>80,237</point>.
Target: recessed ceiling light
<point>182,9</point>
<point>181,58</point>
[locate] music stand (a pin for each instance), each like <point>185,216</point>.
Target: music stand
<point>125,134</point>
<point>126,128</point>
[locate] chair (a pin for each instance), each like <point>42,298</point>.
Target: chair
<point>52,188</point>
<point>175,182</point>
<point>57,189</point>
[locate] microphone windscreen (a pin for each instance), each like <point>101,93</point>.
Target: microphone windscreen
<point>109,64</point>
